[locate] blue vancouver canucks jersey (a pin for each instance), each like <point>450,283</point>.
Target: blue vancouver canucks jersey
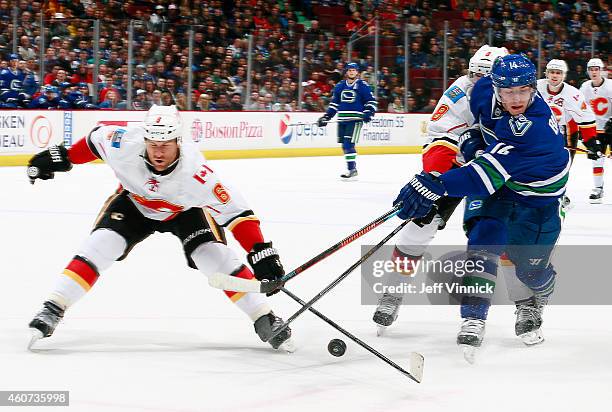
<point>525,156</point>
<point>351,100</point>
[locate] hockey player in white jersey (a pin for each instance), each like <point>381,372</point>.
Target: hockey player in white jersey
<point>450,119</point>
<point>166,186</point>
<point>598,93</point>
<point>568,104</point>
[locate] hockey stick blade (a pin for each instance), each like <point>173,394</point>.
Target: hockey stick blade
<point>417,363</point>
<point>235,284</point>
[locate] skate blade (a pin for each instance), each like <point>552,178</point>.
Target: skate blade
<point>36,336</point>
<point>532,338</point>
<point>380,330</point>
<point>287,346</point>
<point>595,201</point>
<point>469,353</point>
<point>349,179</point>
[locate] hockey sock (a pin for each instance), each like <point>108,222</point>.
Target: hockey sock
<point>476,303</point>
<point>74,282</point>
<point>598,171</point>
<point>351,160</point>
<point>215,257</point>
<point>253,304</point>
<point>541,281</point>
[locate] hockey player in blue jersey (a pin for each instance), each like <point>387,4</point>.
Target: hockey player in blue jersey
<point>513,191</point>
<point>50,100</point>
<point>11,81</point>
<point>353,101</point>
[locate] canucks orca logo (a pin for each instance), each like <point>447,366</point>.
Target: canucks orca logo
<point>520,125</point>
<point>285,131</point>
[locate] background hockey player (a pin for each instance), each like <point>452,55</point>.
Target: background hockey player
<point>598,93</point>
<point>573,114</point>
<point>166,186</point>
<point>523,171</point>
<point>355,105</point>
<point>450,119</point>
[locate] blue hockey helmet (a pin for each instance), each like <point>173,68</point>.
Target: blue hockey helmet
<point>352,66</point>
<point>13,56</point>
<point>513,70</point>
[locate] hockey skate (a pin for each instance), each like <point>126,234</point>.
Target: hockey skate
<point>349,176</point>
<point>470,337</point>
<point>45,322</point>
<point>386,312</point>
<point>529,321</point>
<point>266,325</point>
<point>596,196</point>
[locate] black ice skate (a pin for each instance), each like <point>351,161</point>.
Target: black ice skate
<point>45,322</point>
<point>596,195</point>
<point>349,175</point>
<point>470,337</point>
<point>265,327</point>
<point>529,321</point>
<point>386,312</point>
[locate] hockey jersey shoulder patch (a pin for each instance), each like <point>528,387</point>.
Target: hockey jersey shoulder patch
<point>455,94</point>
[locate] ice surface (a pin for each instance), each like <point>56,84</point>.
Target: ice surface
<point>152,336</point>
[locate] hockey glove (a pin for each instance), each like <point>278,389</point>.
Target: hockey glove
<point>608,127</point>
<point>323,120</point>
<point>43,165</point>
<point>593,146</point>
<point>266,264</point>
<point>419,196</point>
<point>471,145</point>
<point>367,116</point>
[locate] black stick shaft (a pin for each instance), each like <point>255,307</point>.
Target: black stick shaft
<point>350,238</point>
<point>351,336</point>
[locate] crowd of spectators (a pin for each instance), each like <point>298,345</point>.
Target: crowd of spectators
<point>219,67</point>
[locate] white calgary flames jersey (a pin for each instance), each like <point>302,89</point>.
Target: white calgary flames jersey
<point>600,99</point>
<point>568,104</point>
<point>452,115</point>
<point>161,197</point>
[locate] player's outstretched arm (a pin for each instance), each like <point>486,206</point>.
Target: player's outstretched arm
<point>43,165</point>
<point>58,158</point>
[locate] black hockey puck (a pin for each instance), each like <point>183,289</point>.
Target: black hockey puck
<point>336,347</point>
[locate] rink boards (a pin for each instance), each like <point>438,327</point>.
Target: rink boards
<point>220,135</point>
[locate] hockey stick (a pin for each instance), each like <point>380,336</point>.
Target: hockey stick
<point>226,282</point>
<point>577,149</point>
<point>339,278</point>
<point>416,359</point>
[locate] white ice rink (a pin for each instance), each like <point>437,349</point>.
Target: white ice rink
<point>153,336</point>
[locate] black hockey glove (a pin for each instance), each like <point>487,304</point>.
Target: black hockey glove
<point>266,264</point>
<point>593,146</point>
<point>367,116</point>
<point>43,165</point>
<point>323,120</point>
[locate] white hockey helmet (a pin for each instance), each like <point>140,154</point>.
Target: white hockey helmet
<point>557,64</point>
<point>595,62</point>
<point>163,123</point>
<point>482,61</point>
